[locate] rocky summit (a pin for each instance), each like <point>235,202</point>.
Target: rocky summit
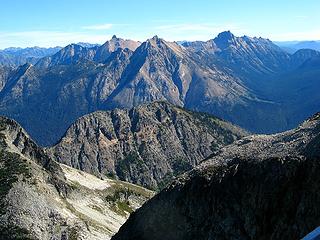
<point>146,145</point>
<point>260,187</point>
<point>41,199</point>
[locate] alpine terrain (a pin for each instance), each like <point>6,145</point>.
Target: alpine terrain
<point>248,81</point>
<point>41,199</point>
<point>146,145</point>
<point>260,187</point>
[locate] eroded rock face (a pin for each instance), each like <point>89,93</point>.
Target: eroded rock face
<point>147,145</point>
<point>253,192</point>
<point>41,199</point>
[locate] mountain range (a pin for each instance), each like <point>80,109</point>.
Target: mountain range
<point>18,56</point>
<point>228,76</point>
<point>293,46</point>
<point>160,140</point>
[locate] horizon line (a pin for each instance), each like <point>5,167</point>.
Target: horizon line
<point>110,36</point>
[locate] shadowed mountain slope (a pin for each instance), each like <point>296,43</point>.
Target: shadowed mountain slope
<point>260,187</point>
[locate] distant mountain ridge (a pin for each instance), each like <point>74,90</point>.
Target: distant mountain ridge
<point>14,57</point>
<point>293,46</point>
<point>227,76</point>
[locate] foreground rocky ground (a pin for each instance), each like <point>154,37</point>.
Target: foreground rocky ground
<point>41,199</point>
<point>260,187</point>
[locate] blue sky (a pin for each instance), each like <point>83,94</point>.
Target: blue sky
<point>60,22</point>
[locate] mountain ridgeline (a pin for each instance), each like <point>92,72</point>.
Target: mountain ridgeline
<point>150,113</point>
<point>146,145</point>
<point>260,187</point>
<point>230,77</point>
<point>14,57</point>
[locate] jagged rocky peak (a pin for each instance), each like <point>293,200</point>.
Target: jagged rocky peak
<point>157,44</point>
<point>155,41</point>
<point>225,35</point>
<point>70,50</point>
<point>104,51</point>
<point>224,39</point>
<point>260,187</point>
<point>156,38</point>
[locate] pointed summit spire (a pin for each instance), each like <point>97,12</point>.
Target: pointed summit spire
<point>224,39</point>
<point>155,37</point>
<point>226,35</point>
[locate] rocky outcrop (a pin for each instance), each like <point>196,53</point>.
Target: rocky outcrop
<point>41,199</point>
<point>146,145</point>
<point>260,187</point>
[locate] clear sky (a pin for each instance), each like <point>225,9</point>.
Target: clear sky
<point>60,22</point>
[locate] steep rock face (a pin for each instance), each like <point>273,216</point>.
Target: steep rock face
<point>260,187</point>
<point>40,199</point>
<point>146,145</point>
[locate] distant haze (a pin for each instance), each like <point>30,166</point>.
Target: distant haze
<point>58,23</point>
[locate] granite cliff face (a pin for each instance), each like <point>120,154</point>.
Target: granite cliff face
<point>260,187</point>
<point>41,199</point>
<point>146,145</point>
